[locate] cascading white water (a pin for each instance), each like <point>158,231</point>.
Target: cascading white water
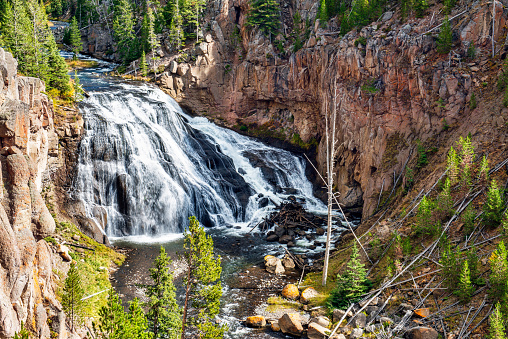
<point>145,167</point>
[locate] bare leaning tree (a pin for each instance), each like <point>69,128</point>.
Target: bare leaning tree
<point>331,151</point>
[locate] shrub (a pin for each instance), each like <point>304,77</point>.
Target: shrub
<point>361,41</point>
<point>424,220</point>
<point>502,81</point>
<point>265,15</point>
<point>445,202</point>
<point>422,156</point>
<point>472,101</point>
<point>496,319</point>
<point>471,50</point>
<point>499,272</point>
<point>468,217</point>
<point>453,166</point>
<point>351,284</point>
<point>449,261</point>
<point>465,287</point>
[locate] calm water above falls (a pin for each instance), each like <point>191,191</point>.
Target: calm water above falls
<point>145,166</point>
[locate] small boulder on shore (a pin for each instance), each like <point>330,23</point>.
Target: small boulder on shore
<point>308,294</point>
<point>290,324</point>
<point>421,333</point>
<point>290,291</point>
<point>256,321</point>
<point>274,265</point>
<point>317,331</point>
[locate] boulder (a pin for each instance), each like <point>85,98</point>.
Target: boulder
<point>360,320</point>
<point>173,66</point>
<point>274,265</point>
<point>372,303</point>
<point>356,333</point>
<point>290,324</point>
<point>421,333</point>
<point>320,231</point>
<point>256,321</point>
<point>290,291</point>
<point>338,314</point>
<point>64,252</point>
<point>321,320</point>
<point>287,262</point>
<point>308,294</point>
<point>285,239</point>
<point>316,331</point>
<point>272,237</point>
<point>275,326</point>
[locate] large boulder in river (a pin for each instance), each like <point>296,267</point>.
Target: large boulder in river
<point>273,265</point>
<point>290,324</point>
<point>290,291</point>
<point>256,321</point>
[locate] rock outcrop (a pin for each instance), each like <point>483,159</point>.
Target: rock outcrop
<point>27,281</point>
<point>394,89</point>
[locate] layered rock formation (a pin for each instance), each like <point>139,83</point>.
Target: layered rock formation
<point>27,281</point>
<point>394,89</point>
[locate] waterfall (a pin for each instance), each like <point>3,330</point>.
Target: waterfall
<point>145,167</point>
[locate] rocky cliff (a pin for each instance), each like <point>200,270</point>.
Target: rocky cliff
<point>394,89</point>
<point>27,262</point>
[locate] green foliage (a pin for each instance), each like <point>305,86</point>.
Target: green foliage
<point>361,41</point>
<point>75,38</point>
<point>296,34</point>
<point>351,284</point>
<point>466,160</point>
<point>78,90</point>
<point>72,294</point>
<point>471,50</point>
<point>493,207</point>
<point>472,101</point>
<point>176,32</point>
<point>422,160</point>
<point>468,218</point>
<point>163,313</point>
<point>502,81</point>
<point>425,223</point>
<point>23,333</point>
<point>25,32</point>
<point>409,179</point>
<point>465,287</point>
<point>497,327</point>
<point>449,260</point>
<point>143,67</point>
<point>473,263</point>
<point>323,13</point>
<point>444,39</point>
<point>448,6</point>
<point>115,323</point>
<point>123,27</point>
<point>499,272</point>
<point>152,40</point>
<point>445,202</point>
<point>483,171</point>
<point>264,14</point>
<point>203,288</point>
<point>420,7</point>
<point>369,86</point>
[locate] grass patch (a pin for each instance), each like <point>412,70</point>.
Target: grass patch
<point>278,303</point>
<point>77,64</point>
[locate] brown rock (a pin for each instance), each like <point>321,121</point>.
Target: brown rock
<point>290,324</point>
<point>290,291</point>
<point>256,321</point>
<point>308,294</point>
<point>287,262</point>
<point>421,333</point>
<point>273,265</point>
<point>317,331</point>
<point>275,326</point>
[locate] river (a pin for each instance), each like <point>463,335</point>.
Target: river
<point>145,166</point>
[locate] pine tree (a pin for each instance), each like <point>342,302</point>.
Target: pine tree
<point>58,76</point>
<point>465,288</point>
<point>466,160</point>
<point>202,283</point>
<point>450,263</point>
<point>72,294</point>
<point>323,13</point>
<point>75,38</point>
<point>468,217</point>
<point>265,15</point>
<point>176,29</point>
<point>499,272</point>
<point>453,166</point>
<point>483,172</point>
<point>153,41</point>
<point>424,220</point>
<point>496,319</point>
<point>351,284</point>
<point>405,6</point>
<point>112,319</point>
<point>142,65</point>
<point>493,207</point>
<point>420,7</point>
<point>163,313</point>
<point>123,26</point>
<point>445,201</point>
<point>137,326</point>
<point>472,259</point>
<point>444,39</point>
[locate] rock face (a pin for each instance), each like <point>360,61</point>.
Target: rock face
<point>27,290</point>
<point>387,87</point>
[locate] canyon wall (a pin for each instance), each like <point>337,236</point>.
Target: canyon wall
<point>27,263</point>
<point>393,89</point>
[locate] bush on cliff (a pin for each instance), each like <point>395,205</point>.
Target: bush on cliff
<point>264,14</point>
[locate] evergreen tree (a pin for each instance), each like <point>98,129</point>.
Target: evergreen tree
<point>450,262</point>
<point>142,65</point>
<point>466,158</point>
<point>163,313</point>
<point>483,172</point>
<point>72,294</point>
<point>424,221</point>
<point>465,289</point>
<point>493,207</point>
<point>405,7</point>
<point>448,6</point>
<point>420,7</point>
<point>144,33</point>
<point>445,201</point>
<point>499,272</point>
<point>496,319</point>
<point>75,38</point>
<point>153,41</point>
<point>137,326</point>
<point>202,284</point>
<point>192,12</point>
<point>468,217</point>
<point>265,15</point>
<point>351,284</point>
<point>58,76</point>
<point>123,26</point>
<point>323,13</point>
<point>112,319</point>
<point>472,259</point>
<point>453,166</point>
<point>444,39</point>
<point>176,29</point>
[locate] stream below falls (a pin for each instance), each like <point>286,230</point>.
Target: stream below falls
<point>145,166</point>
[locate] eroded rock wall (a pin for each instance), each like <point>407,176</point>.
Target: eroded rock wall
<point>392,85</point>
<point>27,280</point>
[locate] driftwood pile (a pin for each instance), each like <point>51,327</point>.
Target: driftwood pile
<point>289,221</point>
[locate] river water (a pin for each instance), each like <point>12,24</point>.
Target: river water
<point>145,166</point>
